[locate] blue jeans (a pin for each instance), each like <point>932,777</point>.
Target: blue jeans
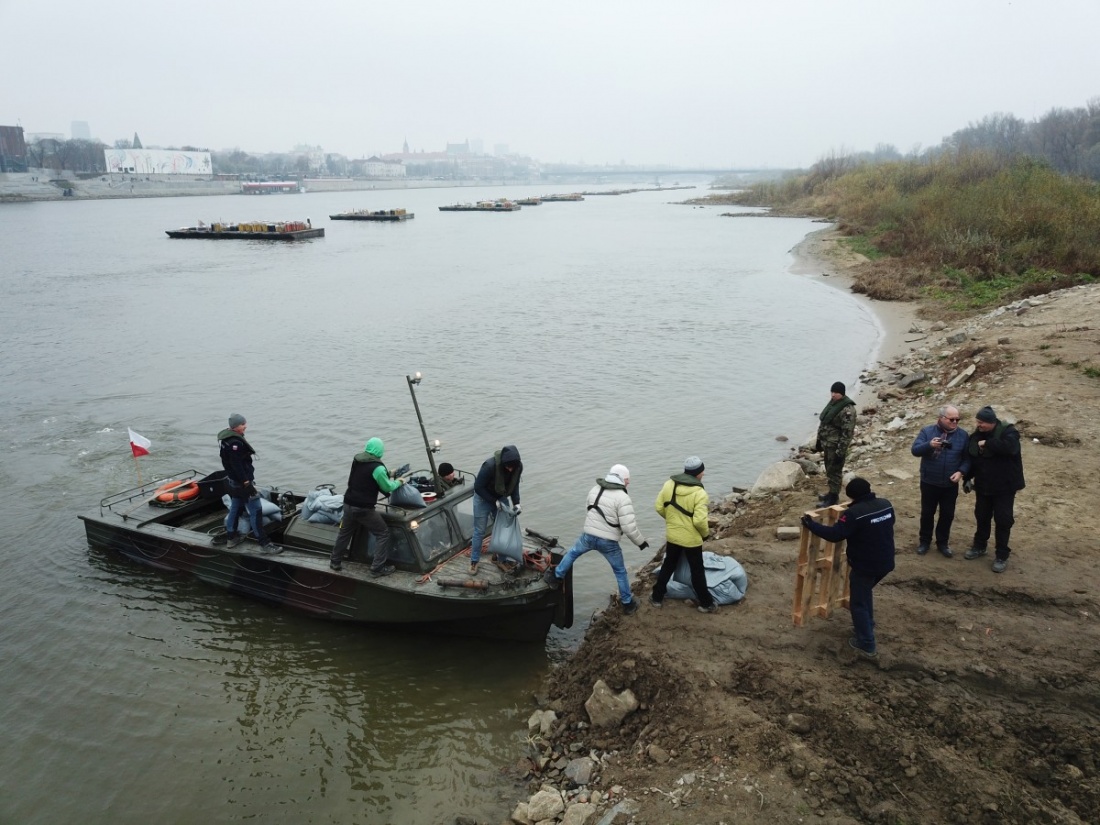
<point>607,548</point>
<point>862,604</point>
<point>255,513</point>
<point>483,512</point>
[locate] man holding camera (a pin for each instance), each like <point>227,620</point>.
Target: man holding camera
<point>944,461</point>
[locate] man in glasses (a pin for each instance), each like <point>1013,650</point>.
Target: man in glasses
<point>944,461</point>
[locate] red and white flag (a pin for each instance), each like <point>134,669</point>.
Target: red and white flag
<point>139,443</point>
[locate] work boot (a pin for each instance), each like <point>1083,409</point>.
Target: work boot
<point>630,608</point>
<point>830,500</point>
<point>854,644</point>
<point>218,540</point>
<point>710,608</point>
<point>999,565</point>
<point>271,549</point>
<point>336,564</point>
<point>974,553</point>
<point>946,551</point>
<point>655,602</point>
<point>384,571</point>
<point>551,579</point>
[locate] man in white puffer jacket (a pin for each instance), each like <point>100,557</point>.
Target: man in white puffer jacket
<point>610,517</point>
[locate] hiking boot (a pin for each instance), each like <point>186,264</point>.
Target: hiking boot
<point>233,540</point>
<point>974,553</point>
<point>551,579</point>
<point>854,644</point>
<point>655,602</point>
<point>630,608</point>
<point>218,540</point>
<point>946,551</point>
<point>271,549</point>
<point>830,500</point>
<point>999,565</point>
<point>922,548</point>
<point>710,608</point>
<point>384,571</point>
<point>473,568</point>
<point>335,565</point>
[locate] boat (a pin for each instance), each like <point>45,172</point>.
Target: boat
<point>572,196</point>
<point>432,589</point>
<point>501,205</point>
<point>251,231</point>
<point>529,201</point>
<point>388,215</point>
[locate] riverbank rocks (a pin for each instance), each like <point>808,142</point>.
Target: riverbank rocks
<point>784,475</point>
<point>542,721</point>
<point>607,709</point>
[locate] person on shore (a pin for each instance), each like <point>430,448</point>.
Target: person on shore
<point>684,505</point>
<point>368,478</point>
<point>867,527</point>
<point>834,436</point>
<point>944,462</point>
<point>610,517</point>
<point>497,481</point>
<point>236,455</point>
<point>996,475</point>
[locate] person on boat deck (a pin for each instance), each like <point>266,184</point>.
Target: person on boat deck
<point>368,478</point>
<point>236,455</point>
<point>610,517</point>
<point>497,481</point>
<point>447,476</point>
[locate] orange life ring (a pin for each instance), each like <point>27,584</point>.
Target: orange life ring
<point>177,491</point>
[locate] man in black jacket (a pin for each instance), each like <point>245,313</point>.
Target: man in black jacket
<point>236,455</point>
<point>868,527</point>
<point>996,474</point>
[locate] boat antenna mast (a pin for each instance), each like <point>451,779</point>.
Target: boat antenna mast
<point>430,448</point>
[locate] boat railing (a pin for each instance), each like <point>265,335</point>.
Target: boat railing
<point>146,491</point>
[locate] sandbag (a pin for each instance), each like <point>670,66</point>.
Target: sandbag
<point>507,538</point>
<point>322,506</point>
<point>407,496</point>
<point>269,513</point>
<point>726,579</point>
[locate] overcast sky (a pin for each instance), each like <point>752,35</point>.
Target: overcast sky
<point>728,83</point>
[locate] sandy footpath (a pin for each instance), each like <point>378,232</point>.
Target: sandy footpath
<point>984,703</point>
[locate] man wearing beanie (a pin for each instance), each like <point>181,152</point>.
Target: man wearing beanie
<point>834,436</point>
<point>236,455</point>
<point>684,505</point>
<point>996,475</point>
<point>868,528</point>
<point>496,483</point>
<point>610,517</point>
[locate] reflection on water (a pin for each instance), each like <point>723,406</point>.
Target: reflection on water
<point>619,330</point>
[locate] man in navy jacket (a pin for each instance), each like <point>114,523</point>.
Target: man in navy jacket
<point>868,527</point>
<point>944,462</point>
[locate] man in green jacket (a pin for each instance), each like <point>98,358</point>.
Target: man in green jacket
<point>834,436</point>
<point>368,479</point>
<point>683,504</point>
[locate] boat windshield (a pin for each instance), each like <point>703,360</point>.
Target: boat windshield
<point>436,536</point>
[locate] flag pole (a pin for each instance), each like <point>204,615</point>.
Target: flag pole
<point>137,465</point>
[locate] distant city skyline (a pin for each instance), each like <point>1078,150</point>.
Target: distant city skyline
<point>705,83</point>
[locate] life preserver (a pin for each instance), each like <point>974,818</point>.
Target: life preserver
<point>177,491</point>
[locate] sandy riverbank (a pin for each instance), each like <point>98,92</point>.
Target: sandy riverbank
<point>983,705</point>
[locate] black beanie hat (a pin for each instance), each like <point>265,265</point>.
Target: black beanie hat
<point>838,386</point>
<point>986,414</point>
<point>857,488</point>
<point>445,469</point>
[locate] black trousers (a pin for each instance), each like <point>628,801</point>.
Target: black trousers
<point>698,573</point>
<point>995,507</point>
<point>931,498</point>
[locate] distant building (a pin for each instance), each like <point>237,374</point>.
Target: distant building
<point>458,148</point>
<point>157,162</point>
<point>35,137</point>
<point>80,130</point>
<point>13,149</point>
<point>500,149</point>
<point>376,167</point>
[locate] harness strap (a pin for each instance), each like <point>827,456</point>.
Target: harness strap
<point>595,506</point>
<point>676,504</point>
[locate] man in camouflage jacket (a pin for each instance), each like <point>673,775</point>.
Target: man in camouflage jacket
<point>834,436</point>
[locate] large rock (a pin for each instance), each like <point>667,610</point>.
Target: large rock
<point>782,476</point>
<point>546,804</point>
<point>542,721</point>
<point>582,813</point>
<point>607,709</point>
<point>580,770</point>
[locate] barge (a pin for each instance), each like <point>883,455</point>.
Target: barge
<point>252,231</point>
<point>384,215</point>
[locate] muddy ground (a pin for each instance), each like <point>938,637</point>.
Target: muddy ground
<point>984,703</point>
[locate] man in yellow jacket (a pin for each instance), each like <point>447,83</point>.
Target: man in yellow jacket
<point>683,504</point>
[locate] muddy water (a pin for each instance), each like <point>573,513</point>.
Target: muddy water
<point>621,329</point>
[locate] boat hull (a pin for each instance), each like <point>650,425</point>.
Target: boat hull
<point>296,235</point>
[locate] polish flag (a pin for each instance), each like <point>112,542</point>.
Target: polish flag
<point>139,443</point>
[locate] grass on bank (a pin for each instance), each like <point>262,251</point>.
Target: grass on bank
<point>968,231</point>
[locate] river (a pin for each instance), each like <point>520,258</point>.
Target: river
<point>622,329</point>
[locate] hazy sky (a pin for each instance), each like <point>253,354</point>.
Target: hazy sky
<point>726,83</point>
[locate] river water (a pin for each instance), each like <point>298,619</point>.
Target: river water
<point>620,329</point>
